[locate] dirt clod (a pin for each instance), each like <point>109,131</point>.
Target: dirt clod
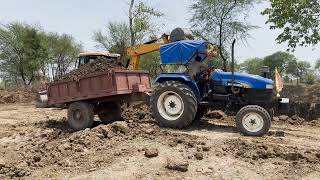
<point>279,134</point>
<point>151,152</point>
<point>293,156</point>
<point>283,117</point>
<point>198,155</point>
<point>120,126</point>
<point>177,164</point>
<point>206,148</point>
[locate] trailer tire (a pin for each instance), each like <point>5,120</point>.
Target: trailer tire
<point>253,120</point>
<point>80,115</point>
<point>173,104</point>
<point>111,113</point>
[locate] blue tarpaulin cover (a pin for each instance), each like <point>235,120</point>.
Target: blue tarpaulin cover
<point>183,52</point>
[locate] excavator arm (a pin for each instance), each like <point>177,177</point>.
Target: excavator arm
<point>135,52</point>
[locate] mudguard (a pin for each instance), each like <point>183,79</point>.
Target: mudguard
<point>183,78</point>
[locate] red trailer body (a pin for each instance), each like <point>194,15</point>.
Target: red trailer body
<point>99,86</point>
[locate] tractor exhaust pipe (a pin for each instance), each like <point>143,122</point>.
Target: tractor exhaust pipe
<point>232,67</point>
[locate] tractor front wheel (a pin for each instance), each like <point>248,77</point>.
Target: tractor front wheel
<point>253,120</point>
<point>173,104</point>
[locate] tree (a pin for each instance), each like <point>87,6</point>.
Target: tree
<point>299,20</point>
<point>221,21</point>
<point>310,78</point>
<point>283,61</point>
<point>140,23</point>
<point>26,51</point>
<point>117,39</point>
<point>317,66</point>
<point>303,68</point>
<point>21,52</point>
<point>62,54</point>
<point>252,66</point>
<point>121,35</point>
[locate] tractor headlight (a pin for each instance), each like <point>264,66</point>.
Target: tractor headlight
<point>269,86</point>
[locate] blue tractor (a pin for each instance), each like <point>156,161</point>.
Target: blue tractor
<point>179,99</point>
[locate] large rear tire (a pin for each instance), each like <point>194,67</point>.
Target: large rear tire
<point>111,112</point>
<point>253,120</point>
<point>173,104</point>
<point>80,115</point>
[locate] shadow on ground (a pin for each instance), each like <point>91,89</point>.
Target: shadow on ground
<point>211,126</point>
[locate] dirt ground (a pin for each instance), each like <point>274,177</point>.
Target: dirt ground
<point>37,144</point>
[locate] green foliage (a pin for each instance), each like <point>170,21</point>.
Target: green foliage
<point>287,64</point>
<point>252,66</point>
<point>119,36</point>
<point>299,19</point>
<point>222,21</point>
<point>151,62</point>
<point>317,66</point>
<point>310,78</point>
<point>142,16</point>
<point>117,39</point>
<point>21,51</point>
<point>26,50</point>
<point>303,69</point>
<point>283,61</point>
<point>62,54</point>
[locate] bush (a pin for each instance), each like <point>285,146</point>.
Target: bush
<point>310,79</point>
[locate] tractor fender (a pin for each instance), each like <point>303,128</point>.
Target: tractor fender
<point>183,79</point>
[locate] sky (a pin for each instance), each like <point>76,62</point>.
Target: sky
<point>81,18</point>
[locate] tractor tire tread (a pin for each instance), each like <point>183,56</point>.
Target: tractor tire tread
<point>262,112</point>
<point>190,101</point>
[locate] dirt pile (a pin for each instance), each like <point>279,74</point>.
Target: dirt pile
<point>304,101</point>
<point>38,144</point>
<point>302,93</point>
<point>53,144</point>
<point>261,150</point>
<point>100,65</point>
<point>16,96</point>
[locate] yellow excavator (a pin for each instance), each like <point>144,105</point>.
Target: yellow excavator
<point>135,52</point>
<point>178,34</point>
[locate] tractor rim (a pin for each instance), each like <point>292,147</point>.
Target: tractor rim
<point>170,105</point>
<point>253,122</point>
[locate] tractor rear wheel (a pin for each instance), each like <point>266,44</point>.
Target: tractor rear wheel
<point>253,120</point>
<point>173,104</point>
<point>111,112</point>
<point>80,115</point>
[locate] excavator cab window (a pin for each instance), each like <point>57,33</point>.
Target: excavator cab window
<point>89,59</point>
<point>84,60</point>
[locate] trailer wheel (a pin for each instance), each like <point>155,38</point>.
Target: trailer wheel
<point>253,120</point>
<point>80,115</point>
<point>173,104</point>
<point>111,113</point>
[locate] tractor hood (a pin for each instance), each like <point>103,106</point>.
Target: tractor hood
<point>242,79</point>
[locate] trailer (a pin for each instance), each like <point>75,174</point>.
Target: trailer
<point>99,94</point>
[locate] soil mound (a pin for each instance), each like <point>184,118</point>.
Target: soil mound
<point>17,96</point>
<point>101,65</point>
<point>304,100</point>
